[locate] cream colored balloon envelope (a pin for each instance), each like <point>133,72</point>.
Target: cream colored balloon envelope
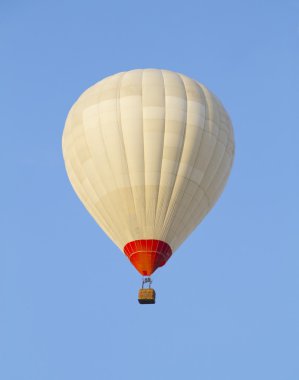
<point>148,152</point>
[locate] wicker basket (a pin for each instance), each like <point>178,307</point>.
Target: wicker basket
<point>146,296</point>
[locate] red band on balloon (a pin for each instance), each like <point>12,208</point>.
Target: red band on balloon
<point>147,255</point>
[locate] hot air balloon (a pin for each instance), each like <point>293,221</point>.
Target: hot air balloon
<point>148,153</point>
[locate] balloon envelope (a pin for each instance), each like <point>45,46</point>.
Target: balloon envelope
<point>148,152</point>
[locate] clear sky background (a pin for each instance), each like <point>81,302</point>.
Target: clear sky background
<point>228,300</point>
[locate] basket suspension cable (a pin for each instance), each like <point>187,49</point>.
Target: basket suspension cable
<point>146,280</point>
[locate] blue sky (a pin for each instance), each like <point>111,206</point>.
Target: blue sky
<point>227,302</point>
